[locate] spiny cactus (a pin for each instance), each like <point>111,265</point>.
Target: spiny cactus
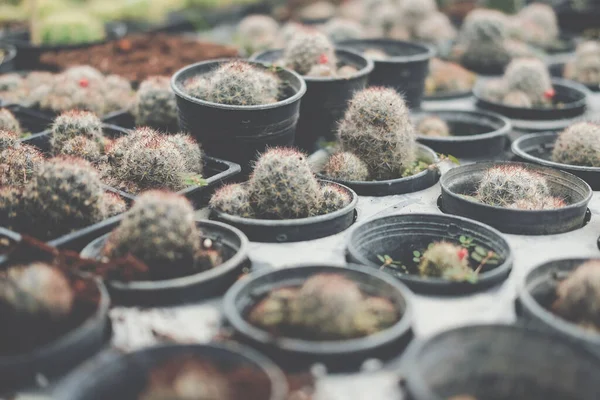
<point>377,128</point>
<point>483,34</point>
<point>585,66</point>
<point>275,310</point>
<point>119,94</point>
<point>9,122</point>
<point>85,74</point>
<point>448,77</point>
<point>282,186</point>
<point>347,167</point>
<point>517,98</point>
<point>530,76</point>
<point>544,203</point>
<point>334,198</point>
<point>544,17</point>
<point>494,90</point>
<point>190,151</point>
<point>8,139</point>
<point>66,94</point>
<point>160,230</point>
<point>67,28</point>
<point>443,257</point>
<point>417,10</point>
<point>257,32</point>
<point>11,207</point>
<point>432,125</point>
<point>503,185</point>
<point>375,54</point>
<point>233,200</point>
<point>307,49</point>
<point>579,144</point>
<point>113,204</point>
<point>83,147</point>
<point>72,124</point>
<point>338,29</point>
<point>578,296</point>
<point>321,70</point>
<point>19,164</point>
<point>317,10</point>
<point>436,28</point>
<point>375,315</point>
<point>155,104</point>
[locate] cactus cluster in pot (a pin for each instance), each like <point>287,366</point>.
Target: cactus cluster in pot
<point>536,24</point>
<point>282,186</point>
<point>579,144</point>
<point>584,67</point>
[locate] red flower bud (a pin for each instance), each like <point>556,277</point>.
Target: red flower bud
<point>323,59</point>
<point>84,83</point>
<point>462,253</point>
<point>549,94</point>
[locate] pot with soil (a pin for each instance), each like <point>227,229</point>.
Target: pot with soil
<point>518,198</point>
<point>464,134</point>
<point>251,106</point>
<point>527,92</point>
<point>575,150</point>
<point>448,81</point>
<point>433,254</point>
<point>179,259</point>
<point>283,201</point>
<point>377,153</point>
<point>583,67</point>
<point>400,65</point>
<point>215,371</point>
<point>332,76</point>
<point>499,362</point>
<point>338,316</point>
<point>52,318</point>
<point>7,58</point>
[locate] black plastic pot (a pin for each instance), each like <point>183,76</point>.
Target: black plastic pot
<point>537,292</point>
<point>326,98</point>
<point>571,95</point>
<point>422,180</point>
<point>117,376</point>
<point>337,355</point>
<point>464,180</point>
<point>447,96</point>
<point>399,235</point>
<point>238,133</point>
<point>123,118</point>
<point>537,148</point>
<point>12,237</point>
<point>557,70</point>
<point>186,289</point>
<point>30,120</point>
<point>475,134</point>
<point>58,357</point>
<point>7,63</point>
<point>294,230</point>
<point>495,362</point>
<point>405,69</point>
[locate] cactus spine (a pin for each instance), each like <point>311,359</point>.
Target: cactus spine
<point>72,124</point>
<point>483,35</point>
<point>19,164</point>
<point>334,198</point>
<point>233,200</point>
<point>503,185</point>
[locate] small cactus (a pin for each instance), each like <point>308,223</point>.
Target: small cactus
<point>72,124</point>
<point>9,122</point>
<point>257,32</point>
<point>437,29</point>
<point>503,185</point>
<point>85,74</point>
<point>113,204</point>
<point>375,54</point>
<point>530,76</point>
<point>119,94</point>
<point>347,167</point>
<point>377,128</point>
<point>585,67</point>
<point>190,151</point>
<point>233,200</point>
<point>8,139</point>
<point>441,258</point>
<point>579,144</point>
<point>66,93</point>
<point>517,98</point>
<point>155,104</point>
<point>19,164</point>
<point>483,34</point>
<point>339,29</point>
<point>494,90</point>
<point>321,70</point>
<point>578,296</point>
<point>307,49</point>
<point>68,28</point>
<point>11,207</point>
<point>544,18</point>
<point>433,126</point>
<point>275,310</point>
<point>317,11</point>
<point>417,10</point>
<point>83,147</point>
<point>334,198</point>
<point>375,315</point>
<point>544,203</point>
<point>160,230</point>
<point>10,82</point>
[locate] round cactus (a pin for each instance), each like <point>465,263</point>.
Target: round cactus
<point>155,104</point>
<point>375,54</point>
<point>334,198</point>
<point>190,151</point>
<point>72,124</point>
<point>275,310</point>
<point>436,28</point>
<point>160,230</point>
<point>85,74</point>
<point>530,76</point>
<point>283,186</point>
<point>68,28</point>
<point>113,204</point>
<point>8,139</point>
<point>19,164</point>
<point>448,77</point>
<point>377,128</point>
<point>585,67</point>
<point>443,257</point>
<point>11,208</point>
<point>433,126</point>
<point>375,315</point>
<point>494,90</point>
<point>233,200</point>
<point>544,18</point>
<point>417,10</point>
<point>579,144</point>
<point>347,167</point>
<point>544,203</point>
<point>9,122</point>
<point>321,70</point>
<point>338,29</point>
<point>119,94</point>
<point>517,98</point>
<point>83,147</point>
<point>483,34</point>
<point>578,296</point>
<point>317,10</point>
<point>66,93</point>
<point>505,184</point>
<point>257,32</point>
<point>307,49</point>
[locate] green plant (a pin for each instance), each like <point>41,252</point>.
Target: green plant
<point>347,167</point>
<point>443,259</point>
<point>375,315</point>
<point>8,139</point>
<point>275,309</point>
<point>67,28</point>
<point>530,76</point>
<point>155,104</point>
<point>113,204</point>
<point>307,49</point>
<point>9,122</point>
<point>432,125</point>
<point>19,164</point>
<point>503,185</point>
<point>334,198</point>
<point>233,200</point>
<point>72,124</point>
<point>83,147</point>
<point>579,144</point>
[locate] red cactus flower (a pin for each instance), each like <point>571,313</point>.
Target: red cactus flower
<point>323,59</point>
<point>84,83</point>
<point>549,94</point>
<point>462,253</point>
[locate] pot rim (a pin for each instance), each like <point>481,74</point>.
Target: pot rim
<point>427,51</point>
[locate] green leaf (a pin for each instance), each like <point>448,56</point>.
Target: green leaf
<point>194,180</point>
<point>463,239</point>
<point>381,258</point>
<point>481,251</point>
<point>476,256</point>
<point>416,259</point>
<point>417,253</point>
<point>492,261</point>
<point>453,159</point>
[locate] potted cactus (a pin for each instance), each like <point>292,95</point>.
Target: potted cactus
<point>447,81</point>
<point>181,258</point>
<point>284,201</point>
<point>583,67</point>
<point>537,25</point>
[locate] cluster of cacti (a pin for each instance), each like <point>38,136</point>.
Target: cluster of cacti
<point>578,296</point>
<point>155,104</point>
<point>585,66</point>
<point>9,122</point>
<point>432,125</point>
<point>307,50</point>
<point>326,307</point>
<point>347,167</point>
<point>8,139</point>
<point>537,24</point>
<point>68,28</point>
<point>444,258</point>
<point>282,186</point>
<point>257,32</point>
<point>18,164</point>
<point>236,83</point>
<point>339,29</point>
<point>448,77</point>
<point>160,230</point>
<point>579,144</point>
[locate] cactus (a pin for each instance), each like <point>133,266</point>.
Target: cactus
<point>375,54</point>
<point>85,74</point>
<point>448,77</point>
<point>433,126</point>
<point>119,94</point>
<point>377,128</point>
<point>578,296</point>
<point>257,32</point>
<point>483,34</point>
<point>83,147</point>
<point>19,164</point>
<point>8,139</point>
<point>530,76</point>
<point>375,315</point>
<point>282,186</point>
<point>68,28</point>
<point>417,10</point>
<point>494,90</point>
<point>321,70</point>
<point>338,29</point>
<point>9,122</point>
<point>542,17</point>
<point>11,207</point>
<point>437,29</point>
<point>274,310</point>
<point>544,203</point>
<point>347,167</point>
<point>72,124</point>
<point>160,230</point>
<point>317,10</point>
<point>517,98</point>
<point>233,200</point>
<point>113,204</point>
<point>579,144</point>
<point>66,94</point>
<point>443,257</point>
<point>10,82</point>
<point>585,67</point>
<point>505,184</point>
<point>190,151</point>
<point>334,198</point>
<point>307,49</point>
<point>287,32</point>
<point>155,104</point>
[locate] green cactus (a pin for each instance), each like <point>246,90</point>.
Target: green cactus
<point>9,122</point>
<point>275,310</point>
<point>339,29</point>
<point>190,151</point>
<point>233,200</point>
<point>334,198</point>
<point>347,167</point>
<point>432,125</point>
<point>282,186</point>
<point>72,124</point>
<point>483,34</point>
<point>19,164</point>
<point>579,144</point>
<point>443,258</point>
<point>160,230</point>
<point>257,32</point>
<point>8,139</point>
<point>503,185</point>
<point>530,76</point>
<point>375,315</point>
<point>517,98</point>
<point>155,104</point>
<point>68,28</point>
<point>309,48</point>
<point>377,128</point>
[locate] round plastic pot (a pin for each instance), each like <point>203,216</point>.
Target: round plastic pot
<point>238,133</point>
<point>405,69</point>
<point>399,235</point>
<point>571,95</point>
<point>125,376</point>
<point>58,357</point>
<point>294,230</point>
<point>337,355</point>
<point>186,289</point>
<point>537,148</point>
<point>7,62</point>
<point>421,181</point>
<point>475,134</point>
<point>557,70</point>
<point>499,362</point>
<point>447,96</point>
<point>326,98</point>
<point>564,44</point>
<point>464,180</point>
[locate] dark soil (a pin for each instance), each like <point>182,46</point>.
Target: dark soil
<point>139,56</point>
